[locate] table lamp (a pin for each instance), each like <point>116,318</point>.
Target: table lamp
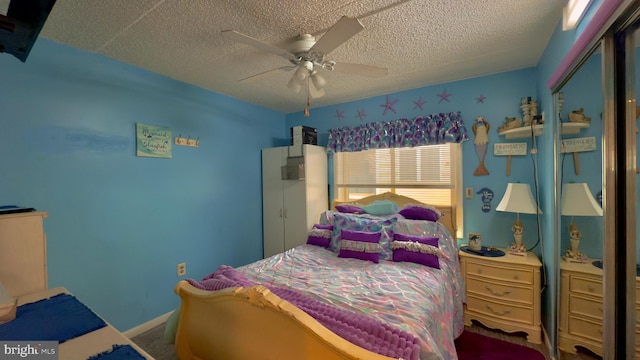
<point>518,199</point>
<point>577,201</point>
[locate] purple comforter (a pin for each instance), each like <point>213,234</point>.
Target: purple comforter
<point>359,329</point>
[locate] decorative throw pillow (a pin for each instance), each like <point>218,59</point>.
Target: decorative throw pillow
<point>349,209</point>
<point>367,223</point>
<point>359,245</point>
<point>416,249</point>
<point>382,207</point>
<point>320,235</point>
<point>421,212</point>
<point>323,226</point>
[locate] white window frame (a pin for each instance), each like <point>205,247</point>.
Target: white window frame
<point>355,179</point>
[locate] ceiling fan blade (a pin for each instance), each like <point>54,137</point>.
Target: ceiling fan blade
<point>340,32</point>
<point>267,73</point>
<point>314,92</point>
<point>361,69</point>
<point>234,35</point>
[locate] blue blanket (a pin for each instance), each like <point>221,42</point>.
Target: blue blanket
<point>58,318</point>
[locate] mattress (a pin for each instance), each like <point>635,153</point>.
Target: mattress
<point>423,301</point>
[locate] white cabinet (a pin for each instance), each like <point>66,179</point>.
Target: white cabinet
<point>23,253</point>
<point>291,207</point>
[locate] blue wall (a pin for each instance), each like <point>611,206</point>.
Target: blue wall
<point>502,93</point>
<point>119,224</point>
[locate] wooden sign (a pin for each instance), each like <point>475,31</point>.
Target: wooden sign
<point>509,149</point>
<point>578,145</point>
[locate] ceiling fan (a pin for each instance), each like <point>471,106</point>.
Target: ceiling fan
<point>308,57</point>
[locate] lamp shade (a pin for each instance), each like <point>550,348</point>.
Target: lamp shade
<point>578,201</point>
<point>518,199</point>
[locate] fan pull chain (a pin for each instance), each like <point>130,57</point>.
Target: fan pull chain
<point>306,109</point>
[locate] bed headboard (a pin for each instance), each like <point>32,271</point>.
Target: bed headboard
<point>448,220</point>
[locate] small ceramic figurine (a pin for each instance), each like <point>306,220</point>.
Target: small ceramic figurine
<point>573,253</point>
<point>578,116</point>
<point>510,123</point>
<point>517,247</point>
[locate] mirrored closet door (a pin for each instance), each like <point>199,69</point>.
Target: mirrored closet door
<point>579,149</point>
<point>634,109</point>
<point>629,38</point>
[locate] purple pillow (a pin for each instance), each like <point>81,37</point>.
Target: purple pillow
<point>323,226</point>
<point>350,209</point>
<point>421,212</point>
<point>320,235</point>
<point>359,245</point>
<point>416,249</point>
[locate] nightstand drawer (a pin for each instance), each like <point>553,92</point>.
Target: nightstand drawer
<point>499,292</point>
<point>584,285</point>
<point>516,313</point>
<point>585,328</point>
<point>585,306</point>
<point>505,273</point>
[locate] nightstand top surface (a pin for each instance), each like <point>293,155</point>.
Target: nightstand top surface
<point>530,258</point>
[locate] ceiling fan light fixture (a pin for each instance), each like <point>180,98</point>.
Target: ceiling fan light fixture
<point>318,80</point>
<point>301,74</point>
<point>294,85</point>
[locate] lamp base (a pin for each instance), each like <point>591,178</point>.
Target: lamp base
<point>518,249</point>
<point>574,256</point>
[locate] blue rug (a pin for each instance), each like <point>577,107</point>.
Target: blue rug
<point>58,318</point>
<point>119,352</point>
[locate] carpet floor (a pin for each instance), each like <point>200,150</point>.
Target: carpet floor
<point>477,343</point>
<point>471,345</point>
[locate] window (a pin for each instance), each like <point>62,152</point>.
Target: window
<point>431,174</point>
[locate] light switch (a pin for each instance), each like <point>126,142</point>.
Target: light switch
<point>468,193</point>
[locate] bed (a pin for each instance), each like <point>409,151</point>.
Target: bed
<point>276,308</point>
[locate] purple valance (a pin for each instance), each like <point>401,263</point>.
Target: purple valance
<point>424,130</point>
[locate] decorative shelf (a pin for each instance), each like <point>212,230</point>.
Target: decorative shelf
<point>522,132</point>
<point>573,128</point>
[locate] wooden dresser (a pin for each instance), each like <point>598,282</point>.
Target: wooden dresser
<point>503,292</point>
<point>581,308</point>
<point>23,272</point>
<point>23,253</point>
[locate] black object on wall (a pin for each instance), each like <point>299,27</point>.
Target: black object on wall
<point>20,28</point>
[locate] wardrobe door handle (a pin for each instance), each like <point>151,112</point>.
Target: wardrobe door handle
<point>281,213</point>
<point>285,213</point>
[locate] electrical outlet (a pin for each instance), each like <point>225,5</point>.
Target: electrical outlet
<point>182,269</point>
<point>468,193</point>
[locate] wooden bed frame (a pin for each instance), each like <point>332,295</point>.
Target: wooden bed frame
<point>253,323</point>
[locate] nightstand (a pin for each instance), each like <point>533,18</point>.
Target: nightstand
<point>581,307</point>
<point>503,292</point>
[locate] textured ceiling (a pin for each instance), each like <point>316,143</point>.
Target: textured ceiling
<point>421,42</point>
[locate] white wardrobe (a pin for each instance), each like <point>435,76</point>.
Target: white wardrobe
<point>291,207</point>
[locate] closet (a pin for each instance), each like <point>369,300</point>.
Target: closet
<point>294,194</point>
<point>599,299</point>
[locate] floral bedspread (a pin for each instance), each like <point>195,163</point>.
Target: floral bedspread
<point>420,300</point>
